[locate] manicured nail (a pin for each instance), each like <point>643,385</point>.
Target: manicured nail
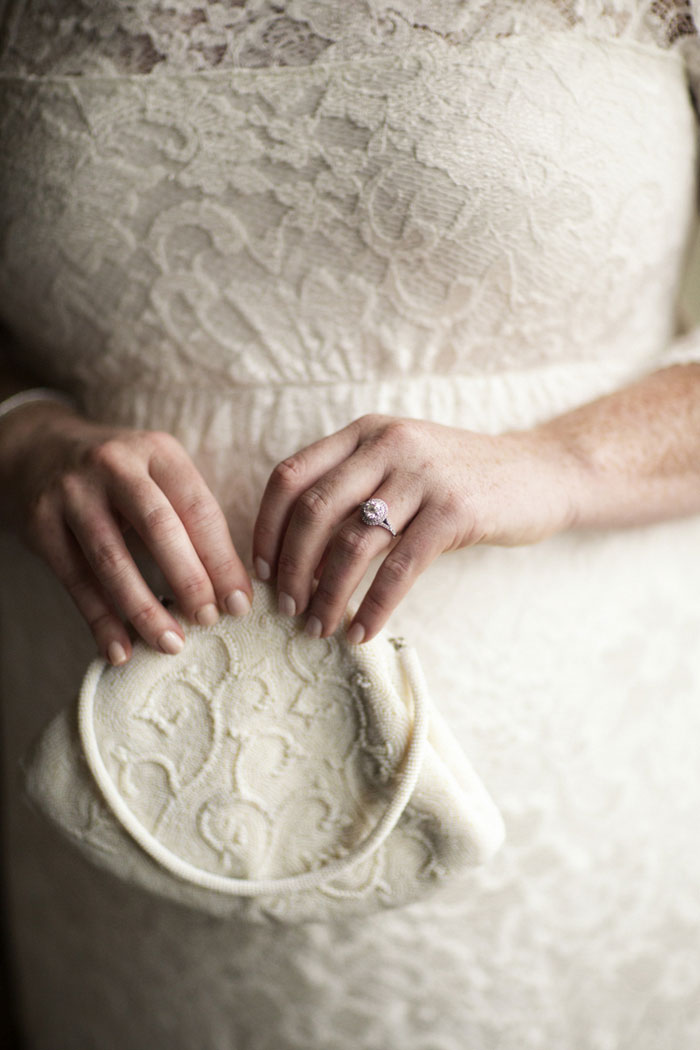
<point>286,604</point>
<point>207,615</point>
<point>313,627</point>
<point>238,603</point>
<point>171,643</point>
<point>262,569</point>
<point>116,654</point>
<point>355,634</point>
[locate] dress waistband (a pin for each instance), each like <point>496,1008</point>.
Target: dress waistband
<point>488,402</point>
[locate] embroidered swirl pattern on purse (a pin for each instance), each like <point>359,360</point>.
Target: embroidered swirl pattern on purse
<point>261,754</point>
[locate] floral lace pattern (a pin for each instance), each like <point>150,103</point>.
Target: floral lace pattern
<point>210,224</point>
<point>150,36</point>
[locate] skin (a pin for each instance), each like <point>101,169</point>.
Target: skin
<point>74,488</point>
<point>628,459</point>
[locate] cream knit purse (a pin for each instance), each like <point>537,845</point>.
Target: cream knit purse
<point>266,774</point>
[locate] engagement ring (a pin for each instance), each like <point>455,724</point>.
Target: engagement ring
<point>374,512</point>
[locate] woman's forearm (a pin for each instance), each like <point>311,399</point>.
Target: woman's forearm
<point>632,457</point>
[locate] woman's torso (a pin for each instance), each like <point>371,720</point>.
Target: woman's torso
<point>252,233</point>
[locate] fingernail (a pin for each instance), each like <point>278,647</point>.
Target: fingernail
<point>286,604</point>
<point>313,627</point>
<point>171,643</point>
<point>262,569</point>
<point>207,615</point>
<point>116,654</point>
<point>238,603</point>
<point>355,634</point>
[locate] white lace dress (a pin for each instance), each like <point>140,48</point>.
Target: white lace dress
<point>249,222</point>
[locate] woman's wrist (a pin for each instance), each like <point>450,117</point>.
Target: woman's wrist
<point>555,480</point>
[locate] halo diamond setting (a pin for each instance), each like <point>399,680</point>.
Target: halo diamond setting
<point>374,512</point>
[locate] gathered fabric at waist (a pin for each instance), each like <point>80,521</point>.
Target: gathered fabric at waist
<point>236,434</point>
<point>271,419</point>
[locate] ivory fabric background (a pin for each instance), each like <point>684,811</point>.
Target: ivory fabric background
<point>248,223</point>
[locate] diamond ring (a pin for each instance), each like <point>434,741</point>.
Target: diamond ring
<point>374,512</point>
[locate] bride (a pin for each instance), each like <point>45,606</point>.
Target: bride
<point>262,262</point>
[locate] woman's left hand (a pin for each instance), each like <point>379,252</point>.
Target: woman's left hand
<point>445,488</point>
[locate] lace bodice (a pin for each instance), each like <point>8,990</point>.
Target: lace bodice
<point>76,37</point>
<point>185,218</point>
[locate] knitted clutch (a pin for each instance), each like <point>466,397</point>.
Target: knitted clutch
<point>265,774</point>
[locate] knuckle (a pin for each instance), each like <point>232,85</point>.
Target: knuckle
<point>265,531</point>
<point>145,617</point>
<point>398,568</point>
<point>374,605</point>
<point>40,514</point>
<point>287,475</point>
<point>370,420</point>
<point>107,560</point>
<point>108,456</point>
<point>160,522</point>
<point>75,581</point>
<point>325,596</point>
<point>351,543</point>
<point>224,567</point>
<point>158,447</point>
<point>399,432</point>
<point>202,512</point>
<point>288,564</point>
<point>313,504</point>
<point>100,622</point>
<point>191,587</point>
<point>70,486</point>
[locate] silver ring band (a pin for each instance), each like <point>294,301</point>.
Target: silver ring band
<point>374,512</point>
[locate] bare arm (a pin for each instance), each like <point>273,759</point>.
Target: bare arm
<point>626,459</point>
<point>634,456</point>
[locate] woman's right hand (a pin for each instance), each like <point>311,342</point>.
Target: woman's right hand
<point>72,488</point>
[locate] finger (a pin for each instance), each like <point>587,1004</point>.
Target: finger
<point>321,565</point>
<point>206,526</point>
<point>92,523</point>
<point>349,555</point>
<point>288,480</point>
<point>67,560</point>
<point>146,506</point>
<point>315,515</point>
<point>417,548</point>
